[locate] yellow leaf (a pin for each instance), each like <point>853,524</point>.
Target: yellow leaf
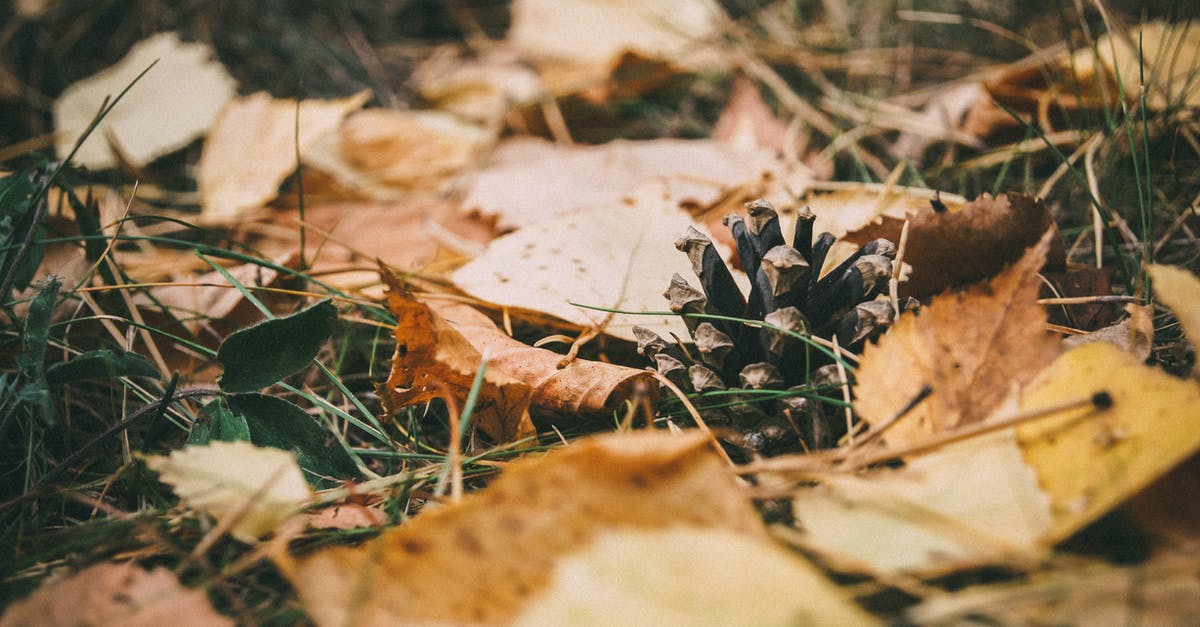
<point>252,487</point>
<point>1180,290</point>
<point>968,504</point>
<point>486,558</point>
<point>1088,460</point>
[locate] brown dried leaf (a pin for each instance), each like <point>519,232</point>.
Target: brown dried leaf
<point>956,248</point>
<point>582,386</point>
<point>251,149</point>
<point>975,348</point>
<point>488,557</point>
<point>114,594</point>
<point>432,358</point>
<point>380,153</point>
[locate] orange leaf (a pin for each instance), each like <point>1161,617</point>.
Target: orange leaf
<point>432,357</point>
<point>975,348</point>
<point>581,386</point>
<point>485,559</point>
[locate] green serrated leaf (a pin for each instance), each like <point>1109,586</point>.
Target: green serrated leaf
<point>277,423</point>
<point>101,364</point>
<point>263,354</point>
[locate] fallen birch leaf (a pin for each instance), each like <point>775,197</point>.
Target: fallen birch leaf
<point>970,504</point>
<point>1006,498</point>
<point>489,557</point>
<point>173,104</point>
<point>1180,290</point>
<point>257,487</point>
<point>380,153</point>
<point>251,150</point>
<point>582,386</point>
<point>530,180</point>
<point>1089,460</point>
<point>954,248</point>
<point>115,594</point>
<point>686,576</point>
<point>618,256</point>
<point>432,358</point>
<point>975,348</point>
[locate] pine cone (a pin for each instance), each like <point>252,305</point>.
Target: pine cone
<point>789,295</point>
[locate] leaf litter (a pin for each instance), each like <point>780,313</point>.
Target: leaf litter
<point>1019,443</point>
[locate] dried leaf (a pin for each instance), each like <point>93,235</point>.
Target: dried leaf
<point>1180,290</point>
<point>596,32</point>
<point>114,594</point>
<point>747,123</point>
<point>480,88</point>
<point>969,504</point>
<point>346,516</point>
<point>582,386</point>
<point>955,248</point>
<point>683,576</point>
<point>173,104</point>
<point>530,180</point>
<point>201,299</point>
<point>488,557</point>
<point>432,358</point>
<point>1088,460</point>
<point>619,256</point>
<point>379,153</point>
<point>258,487</point>
<point>975,348</point>
<point>1164,55</point>
<point>251,150</point>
